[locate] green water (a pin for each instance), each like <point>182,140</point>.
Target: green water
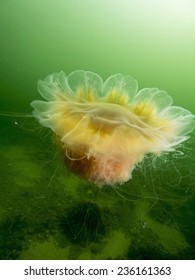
<point>46,212</point>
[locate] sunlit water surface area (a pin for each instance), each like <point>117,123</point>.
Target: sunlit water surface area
<point>46,211</point>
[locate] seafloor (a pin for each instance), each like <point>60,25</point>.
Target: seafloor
<point>46,212</point>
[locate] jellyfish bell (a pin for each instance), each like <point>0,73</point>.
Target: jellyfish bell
<point>106,128</point>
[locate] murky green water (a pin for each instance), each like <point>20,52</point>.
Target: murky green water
<point>46,212</point>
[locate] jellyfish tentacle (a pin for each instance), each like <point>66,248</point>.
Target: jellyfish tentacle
<point>71,158</point>
<point>15,115</point>
<point>69,136</point>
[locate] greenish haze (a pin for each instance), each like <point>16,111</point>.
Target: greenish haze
<point>46,212</point>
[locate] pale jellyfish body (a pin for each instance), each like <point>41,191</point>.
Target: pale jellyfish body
<point>105,129</point>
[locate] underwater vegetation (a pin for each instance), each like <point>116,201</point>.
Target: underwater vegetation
<point>106,128</point>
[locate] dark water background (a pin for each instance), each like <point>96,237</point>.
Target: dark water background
<point>46,212</point>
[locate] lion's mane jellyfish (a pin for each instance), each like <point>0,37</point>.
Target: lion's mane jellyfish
<point>106,128</point>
